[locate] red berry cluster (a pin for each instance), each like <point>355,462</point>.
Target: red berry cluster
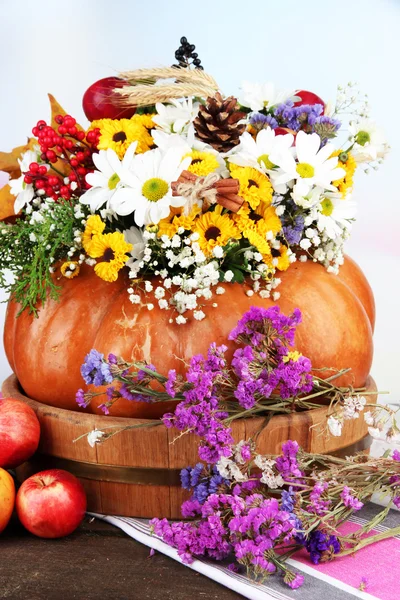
<point>72,149</point>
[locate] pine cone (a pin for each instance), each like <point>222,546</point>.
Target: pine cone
<point>217,122</point>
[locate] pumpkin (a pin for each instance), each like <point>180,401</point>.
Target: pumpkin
<point>46,352</point>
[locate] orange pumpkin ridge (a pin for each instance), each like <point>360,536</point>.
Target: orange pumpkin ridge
<point>46,353</point>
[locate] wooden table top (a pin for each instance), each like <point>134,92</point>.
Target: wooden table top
<point>96,562</point>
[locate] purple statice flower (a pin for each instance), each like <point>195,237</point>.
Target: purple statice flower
<point>257,320</point>
<point>317,505</point>
<point>293,580</point>
<point>142,374</point>
<point>83,399</point>
<point>396,455</point>
<point>259,121</point>
<point>349,500</point>
<point>190,508</point>
<point>285,114</point>
<point>191,475</point>
<point>322,546</point>
<point>104,408</point>
<point>326,127</point>
<point>294,376</point>
<point>287,464</point>
<point>293,230</point>
<point>288,500</point>
<point>112,359</point>
<point>110,392</point>
<point>245,452</point>
<point>202,538</point>
<point>125,393</point>
<point>364,583</point>
<point>246,486</point>
<point>170,383</point>
<point>305,116</point>
<point>95,370</point>
<point>199,412</point>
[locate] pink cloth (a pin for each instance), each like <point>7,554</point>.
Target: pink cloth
<point>378,563</point>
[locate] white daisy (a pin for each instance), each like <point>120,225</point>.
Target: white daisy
<point>107,182</point>
<point>369,141</point>
<point>24,192</point>
<point>176,116</point>
<point>306,198</point>
<point>335,214</point>
<point>256,152</point>
<point>149,182</point>
<point>188,142</point>
<point>261,95</point>
<point>134,236</point>
<point>313,166</point>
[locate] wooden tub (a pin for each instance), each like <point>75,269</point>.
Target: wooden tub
<point>136,473</point>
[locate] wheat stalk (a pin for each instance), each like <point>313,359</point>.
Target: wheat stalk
<point>189,82</point>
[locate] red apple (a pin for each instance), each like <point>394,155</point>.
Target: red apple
<point>308,98</point>
<point>51,504</point>
<point>19,432</point>
<point>101,102</point>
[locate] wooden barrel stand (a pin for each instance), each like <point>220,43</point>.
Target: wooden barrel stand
<point>136,473</point>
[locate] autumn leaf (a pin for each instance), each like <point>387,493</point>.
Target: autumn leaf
<point>7,200</point>
<point>9,160</point>
<point>57,109</point>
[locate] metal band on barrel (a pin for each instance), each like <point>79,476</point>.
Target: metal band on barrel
<point>98,472</point>
<point>133,475</point>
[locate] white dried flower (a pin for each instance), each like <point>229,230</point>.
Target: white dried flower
<point>228,276</point>
<point>218,252</point>
<point>335,426</point>
<point>159,292</point>
<point>94,437</point>
<point>199,315</point>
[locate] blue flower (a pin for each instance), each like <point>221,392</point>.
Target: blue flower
<point>95,370</point>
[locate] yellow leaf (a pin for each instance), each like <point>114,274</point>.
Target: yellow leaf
<point>9,160</point>
<point>7,200</point>
<point>57,109</point>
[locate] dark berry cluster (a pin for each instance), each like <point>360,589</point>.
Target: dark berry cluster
<point>69,147</point>
<point>186,53</point>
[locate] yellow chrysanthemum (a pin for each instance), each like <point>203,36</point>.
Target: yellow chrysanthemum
<point>94,226</point>
<point>118,134</point>
<point>349,165</point>
<point>203,163</point>
<point>262,220</point>
<point>255,187</point>
<point>170,225</point>
<point>70,269</point>
<point>112,249</point>
<point>260,243</point>
<point>280,258</point>
<point>215,229</point>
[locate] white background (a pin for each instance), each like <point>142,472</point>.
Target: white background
<point>63,47</point>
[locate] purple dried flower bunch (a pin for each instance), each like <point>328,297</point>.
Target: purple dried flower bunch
<point>262,509</point>
<point>263,370</point>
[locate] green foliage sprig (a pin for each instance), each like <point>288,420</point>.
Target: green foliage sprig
<point>31,247</point>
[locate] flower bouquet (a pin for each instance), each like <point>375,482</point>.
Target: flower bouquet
<point>182,224</point>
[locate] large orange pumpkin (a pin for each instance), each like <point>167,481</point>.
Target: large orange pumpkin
<point>46,352</point>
